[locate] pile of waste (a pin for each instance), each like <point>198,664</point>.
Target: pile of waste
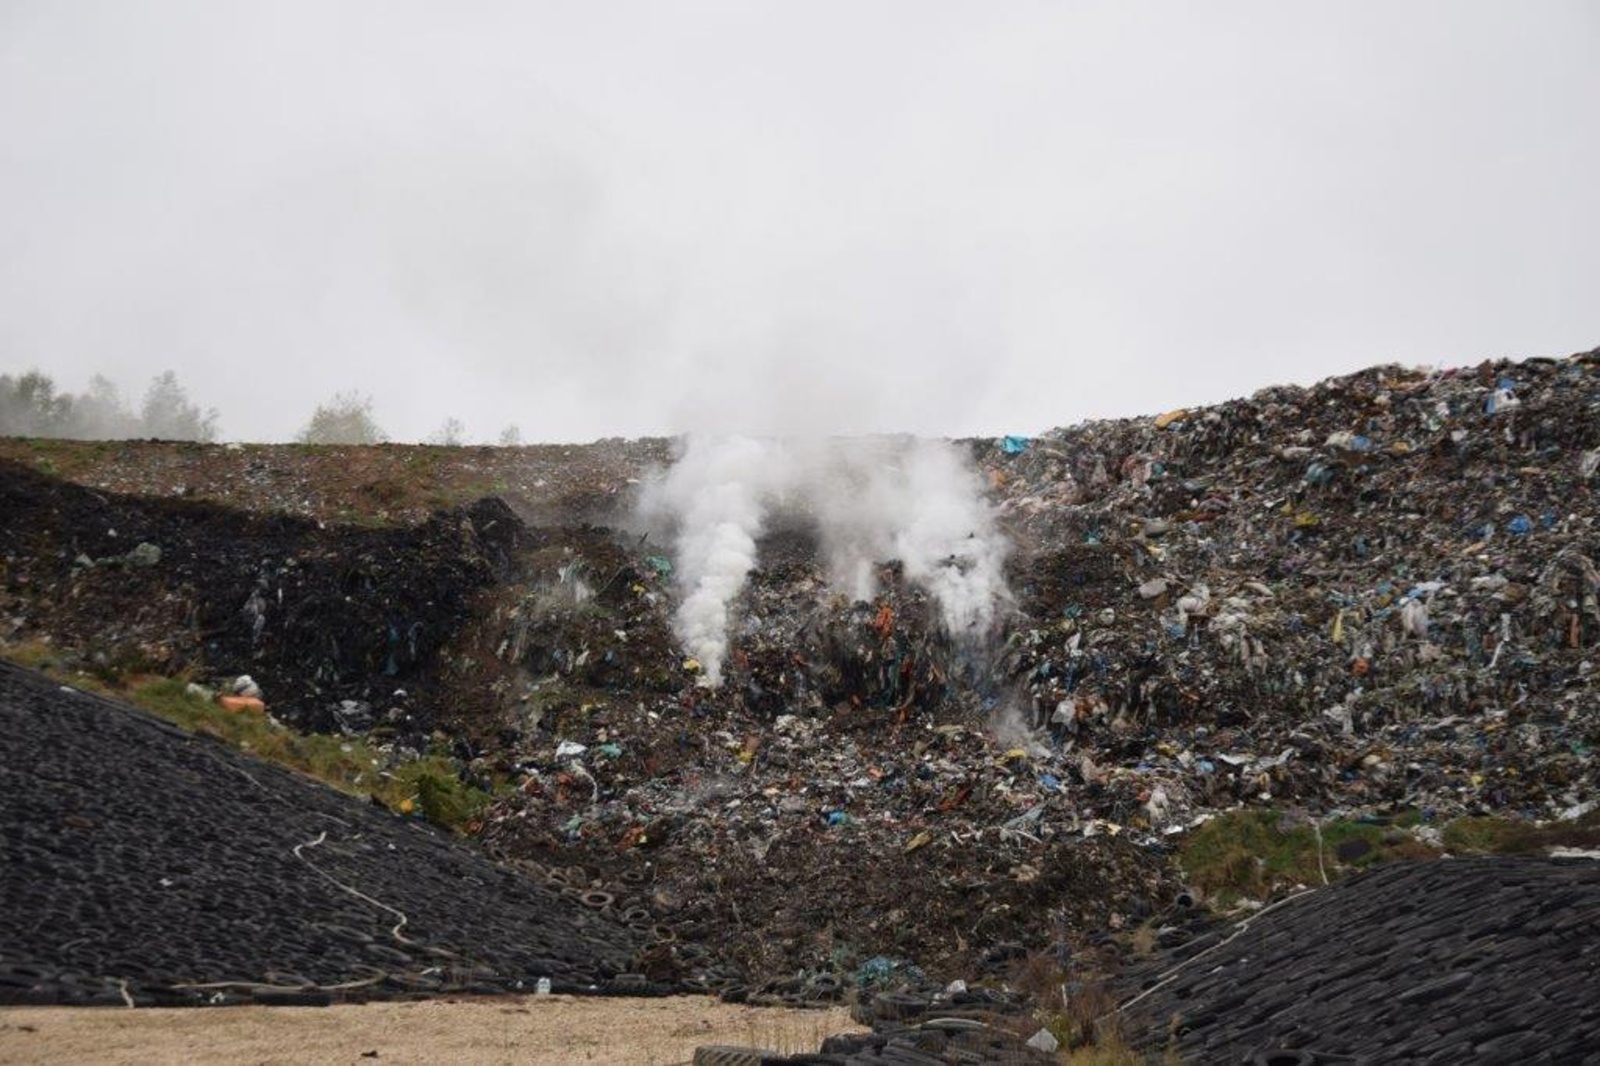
<point>1373,595</point>
<point>1377,592</point>
<point>342,626</point>
<point>839,799</point>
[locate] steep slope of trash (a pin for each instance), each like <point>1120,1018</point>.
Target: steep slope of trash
<point>346,621</point>
<point>838,799</point>
<point>1375,594</point>
<point>1377,591</point>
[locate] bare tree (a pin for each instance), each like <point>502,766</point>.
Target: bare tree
<point>168,414</point>
<point>345,419</point>
<point>30,406</point>
<point>102,414</point>
<point>450,433</point>
<point>511,436</point>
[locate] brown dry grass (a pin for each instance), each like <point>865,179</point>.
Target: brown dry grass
<point>554,1030</point>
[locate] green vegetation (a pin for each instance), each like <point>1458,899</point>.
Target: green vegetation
<point>1485,835</point>
<point>35,655</point>
<point>442,498</point>
<point>361,518</point>
<point>1250,854</point>
<point>1489,835</point>
<point>430,786</point>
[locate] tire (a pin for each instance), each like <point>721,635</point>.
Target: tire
<point>727,1055</point>
<point>271,998</point>
<point>898,1007</point>
<point>952,1025</point>
<point>847,1044</point>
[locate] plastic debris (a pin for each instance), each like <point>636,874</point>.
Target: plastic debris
<point>1044,1040</point>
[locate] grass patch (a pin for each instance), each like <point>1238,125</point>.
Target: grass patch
<point>1250,854</point>
<point>1110,1051</point>
<point>1492,835</point>
<point>33,654</point>
<point>455,494</point>
<point>362,519</point>
<point>430,786</point>
<point>1486,835</point>
<point>66,458</point>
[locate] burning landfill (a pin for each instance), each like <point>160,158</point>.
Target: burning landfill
<point>862,503</point>
<point>816,714</point>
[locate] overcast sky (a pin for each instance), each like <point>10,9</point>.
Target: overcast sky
<point>597,219</point>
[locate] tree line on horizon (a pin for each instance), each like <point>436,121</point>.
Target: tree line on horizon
<point>32,406</point>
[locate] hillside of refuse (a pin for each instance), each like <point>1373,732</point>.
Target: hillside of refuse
<point>1375,597</point>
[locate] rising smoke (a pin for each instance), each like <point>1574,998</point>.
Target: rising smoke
<point>869,500</point>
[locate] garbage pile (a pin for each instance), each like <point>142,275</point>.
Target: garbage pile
<point>1282,601</point>
<point>838,799</point>
<point>1377,593</point>
<point>335,623</point>
<point>389,484</point>
<point>583,619</point>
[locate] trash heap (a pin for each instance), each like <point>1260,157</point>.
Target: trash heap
<point>1374,593</point>
<point>835,816</point>
<point>389,484</point>
<point>340,625</point>
<point>1287,601</point>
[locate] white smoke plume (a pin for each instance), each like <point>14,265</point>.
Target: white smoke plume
<point>717,497</point>
<point>870,501</point>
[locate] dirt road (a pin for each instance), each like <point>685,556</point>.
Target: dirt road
<point>556,1030</point>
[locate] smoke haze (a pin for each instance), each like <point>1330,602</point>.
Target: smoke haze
<point>770,219</point>
<point>869,501</point>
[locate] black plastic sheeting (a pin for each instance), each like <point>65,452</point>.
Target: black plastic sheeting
<point>142,864</point>
<point>1458,960</point>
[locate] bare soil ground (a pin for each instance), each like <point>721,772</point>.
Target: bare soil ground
<point>556,1030</point>
<point>369,486</point>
